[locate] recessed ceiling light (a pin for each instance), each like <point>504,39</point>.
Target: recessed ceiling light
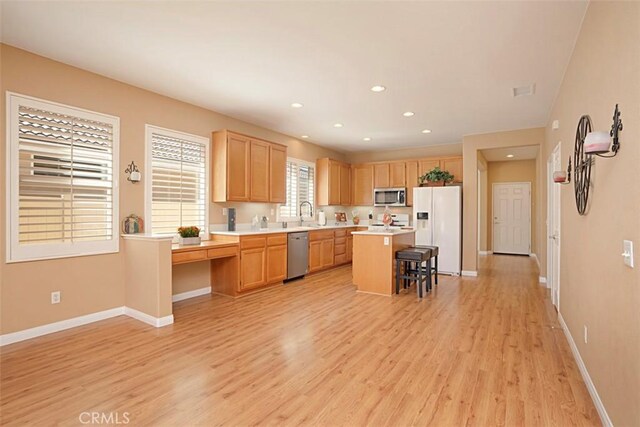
<point>305,136</point>
<point>338,125</point>
<point>366,138</point>
<point>510,156</point>
<point>297,105</point>
<point>408,113</point>
<point>378,88</point>
<point>426,130</point>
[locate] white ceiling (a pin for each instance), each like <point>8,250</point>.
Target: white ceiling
<point>452,63</point>
<point>519,153</point>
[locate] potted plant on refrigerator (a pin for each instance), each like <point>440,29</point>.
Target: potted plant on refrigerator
<point>189,235</point>
<point>436,177</point>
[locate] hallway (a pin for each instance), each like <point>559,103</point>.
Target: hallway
<point>477,351</point>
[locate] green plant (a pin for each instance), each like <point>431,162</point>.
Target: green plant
<point>192,231</point>
<point>436,175</point>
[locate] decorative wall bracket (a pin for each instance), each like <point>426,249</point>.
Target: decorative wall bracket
<point>134,173</point>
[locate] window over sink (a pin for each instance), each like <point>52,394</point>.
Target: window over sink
<point>300,178</point>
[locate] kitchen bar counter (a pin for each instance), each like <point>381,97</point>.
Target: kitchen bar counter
<point>391,232</point>
<point>374,259</point>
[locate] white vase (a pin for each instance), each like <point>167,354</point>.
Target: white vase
<point>189,240</point>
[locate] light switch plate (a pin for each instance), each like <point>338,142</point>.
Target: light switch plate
<point>627,252</point>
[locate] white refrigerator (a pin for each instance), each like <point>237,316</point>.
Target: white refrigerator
<point>437,218</point>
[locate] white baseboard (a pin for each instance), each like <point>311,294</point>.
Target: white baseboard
<point>158,322</point>
<point>469,273</point>
<point>485,252</point>
<point>59,326</point>
<point>191,294</point>
<point>604,417</point>
<point>542,279</point>
<point>62,325</point>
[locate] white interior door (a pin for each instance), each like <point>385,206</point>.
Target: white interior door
<point>553,228</point>
<point>512,218</point>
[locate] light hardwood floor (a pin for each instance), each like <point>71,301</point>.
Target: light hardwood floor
<point>485,351</point>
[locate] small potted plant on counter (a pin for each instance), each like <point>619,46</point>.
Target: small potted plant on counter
<point>189,235</point>
<point>435,178</point>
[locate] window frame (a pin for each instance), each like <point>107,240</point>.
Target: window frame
<point>43,251</point>
<point>148,173</point>
<point>297,217</point>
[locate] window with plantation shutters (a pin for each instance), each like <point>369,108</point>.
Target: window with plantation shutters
<point>62,191</point>
<point>177,190</point>
<point>300,188</point>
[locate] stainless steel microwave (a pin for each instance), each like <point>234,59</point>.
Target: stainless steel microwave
<point>390,197</point>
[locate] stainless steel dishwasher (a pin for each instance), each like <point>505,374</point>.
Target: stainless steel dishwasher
<point>297,254</point>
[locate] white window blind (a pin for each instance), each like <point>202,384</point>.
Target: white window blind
<point>178,184</point>
<point>300,188</point>
<point>62,189</point>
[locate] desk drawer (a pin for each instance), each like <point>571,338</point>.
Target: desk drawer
<point>222,252</point>
<point>253,242</point>
<point>340,240</point>
<point>277,240</point>
<point>320,235</point>
<point>190,256</point>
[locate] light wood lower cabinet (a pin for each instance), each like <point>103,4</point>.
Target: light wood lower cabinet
<point>263,260</point>
<point>253,268</point>
<point>328,252</point>
<point>315,256</point>
<point>349,248</point>
<point>276,263</point>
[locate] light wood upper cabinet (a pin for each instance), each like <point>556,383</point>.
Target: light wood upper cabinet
<point>397,175</point>
<point>381,175</point>
<point>426,165</point>
<point>277,174</point>
<point>411,168</point>
<point>333,185</point>
<point>345,184</point>
<point>454,166</point>
<point>362,185</point>
<point>246,169</point>
<point>259,171</point>
<point>230,167</point>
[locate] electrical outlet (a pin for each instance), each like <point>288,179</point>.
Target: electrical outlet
<point>386,241</point>
<point>273,212</point>
<point>586,334</point>
<point>55,297</point>
<point>225,211</point>
<point>627,247</point>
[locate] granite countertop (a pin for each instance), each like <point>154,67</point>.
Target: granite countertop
<point>392,232</point>
<point>283,230</point>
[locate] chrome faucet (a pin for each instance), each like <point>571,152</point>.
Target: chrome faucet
<point>310,211</point>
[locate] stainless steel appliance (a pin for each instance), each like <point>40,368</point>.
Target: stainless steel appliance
<point>297,254</point>
<point>390,197</point>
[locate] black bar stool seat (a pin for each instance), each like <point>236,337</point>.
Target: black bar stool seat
<point>409,268</point>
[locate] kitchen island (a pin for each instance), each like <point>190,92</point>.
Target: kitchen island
<point>374,258</point>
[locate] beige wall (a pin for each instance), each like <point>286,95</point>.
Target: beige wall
<point>454,149</point>
<point>596,289</point>
<point>471,144</point>
<point>511,171</point>
<point>95,283</point>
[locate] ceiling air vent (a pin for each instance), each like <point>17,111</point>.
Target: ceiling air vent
<point>524,90</point>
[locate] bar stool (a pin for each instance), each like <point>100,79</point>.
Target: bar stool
<point>434,254</point>
<point>409,268</point>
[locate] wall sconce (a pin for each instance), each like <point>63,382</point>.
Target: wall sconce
<point>562,177</point>
<point>134,173</point>
<point>599,143</point>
